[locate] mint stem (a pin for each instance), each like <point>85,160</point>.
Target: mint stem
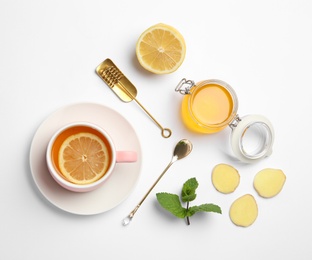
<point>187,218</point>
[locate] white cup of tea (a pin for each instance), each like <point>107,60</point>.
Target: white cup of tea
<point>81,156</point>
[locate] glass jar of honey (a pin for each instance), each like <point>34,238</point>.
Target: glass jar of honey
<point>209,106</point>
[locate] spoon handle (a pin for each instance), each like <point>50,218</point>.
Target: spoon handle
<point>165,132</point>
<point>127,219</point>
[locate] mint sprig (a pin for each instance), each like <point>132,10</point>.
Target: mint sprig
<point>172,203</point>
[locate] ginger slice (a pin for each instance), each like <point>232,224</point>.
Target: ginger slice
<point>269,182</point>
<point>244,211</point>
<point>225,178</point>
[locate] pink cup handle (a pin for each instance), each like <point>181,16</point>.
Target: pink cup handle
<point>126,156</point>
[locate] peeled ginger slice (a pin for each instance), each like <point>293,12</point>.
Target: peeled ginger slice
<point>244,211</point>
<point>225,178</point>
<point>269,182</point>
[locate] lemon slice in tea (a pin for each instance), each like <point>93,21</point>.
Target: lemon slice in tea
<point>83,158</point>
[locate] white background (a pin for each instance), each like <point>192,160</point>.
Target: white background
<point>48,54</point>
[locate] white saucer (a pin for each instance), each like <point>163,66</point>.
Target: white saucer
<point>115,189</point>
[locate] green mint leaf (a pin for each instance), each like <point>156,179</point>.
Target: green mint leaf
<point>204,207</point>
<point>171,202</point>
<point>188,190</point>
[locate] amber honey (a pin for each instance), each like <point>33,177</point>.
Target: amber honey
<point>210,106</point>
<point>69,132</point>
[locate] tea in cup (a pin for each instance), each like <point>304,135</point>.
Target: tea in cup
<point>81,156</point>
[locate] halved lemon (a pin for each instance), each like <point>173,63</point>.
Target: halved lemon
<point>83,158</point>
<point>161,49</point>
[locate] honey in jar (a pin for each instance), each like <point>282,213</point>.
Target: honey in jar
<point>211,105</point>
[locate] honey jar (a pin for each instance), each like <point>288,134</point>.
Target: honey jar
<point>209,106</point>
